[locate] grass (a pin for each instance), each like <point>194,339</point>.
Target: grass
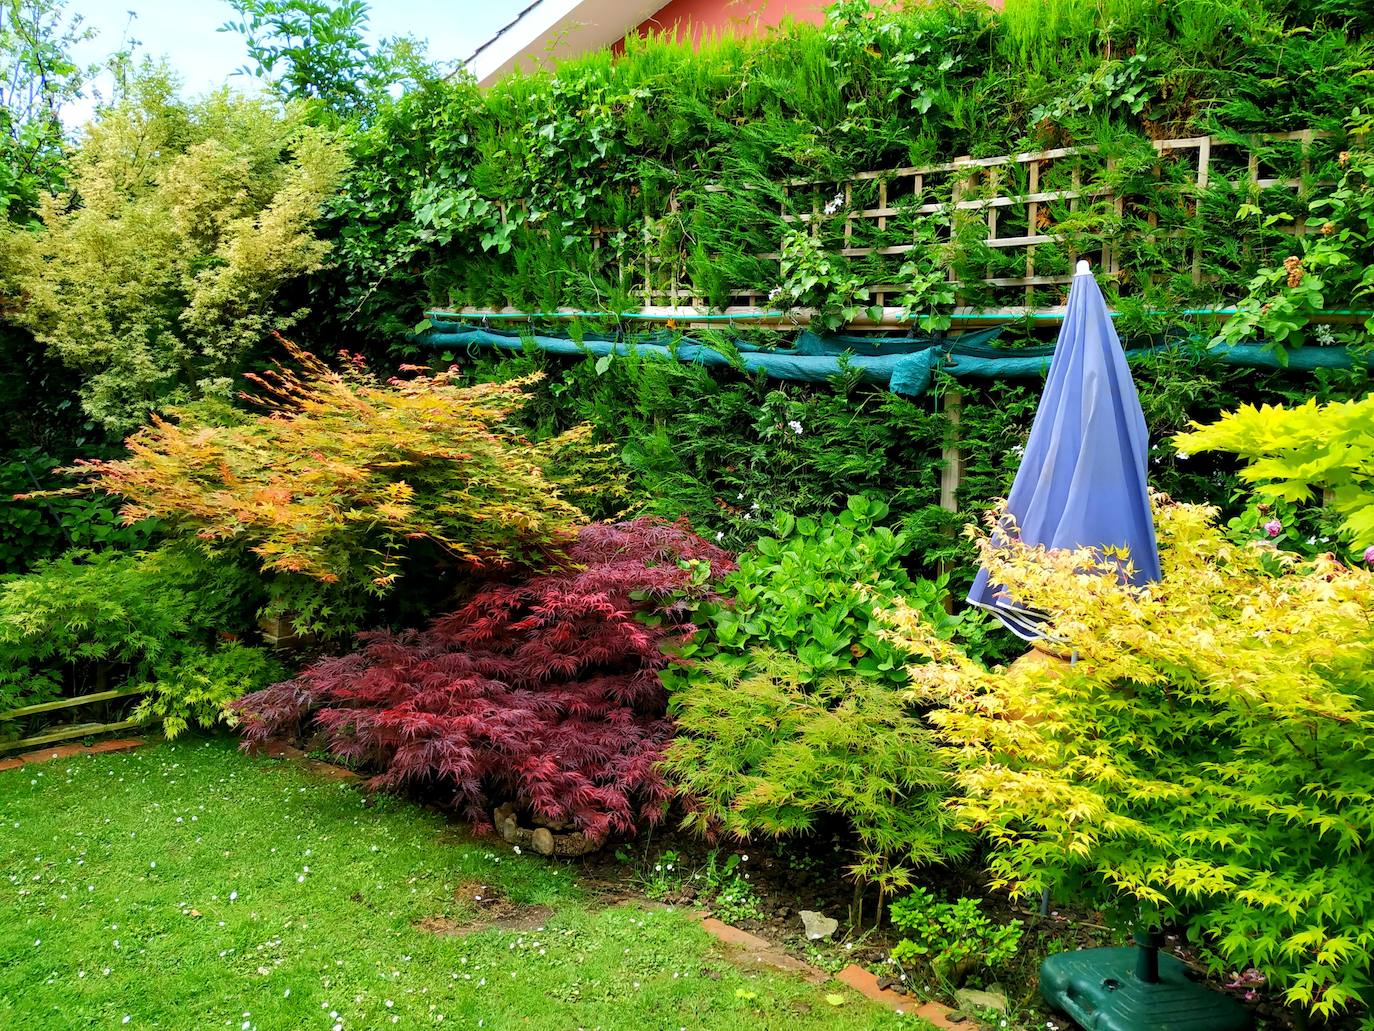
<point>187,886</point>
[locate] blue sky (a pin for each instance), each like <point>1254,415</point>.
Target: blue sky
<point>185,31</point>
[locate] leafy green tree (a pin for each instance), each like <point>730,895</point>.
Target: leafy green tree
<point>315,50</point>
<point>38,78</point>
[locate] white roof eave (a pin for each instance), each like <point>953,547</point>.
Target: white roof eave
<point>552,30</point>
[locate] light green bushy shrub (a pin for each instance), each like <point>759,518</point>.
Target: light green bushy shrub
<point>765,747</point>
<point>812,590</point>
<point>1206,763</point>
<point>195,688</point>
<point>790,708</point>
<point>1298,454</point>
<point>97,621</point>
<point>161,271</point>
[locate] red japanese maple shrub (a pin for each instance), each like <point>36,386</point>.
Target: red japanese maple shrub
<point>544,691</point>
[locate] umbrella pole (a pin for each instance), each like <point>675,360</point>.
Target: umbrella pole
<point>1147,956</point>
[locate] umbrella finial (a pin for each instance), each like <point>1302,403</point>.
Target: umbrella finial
<point>1082,269</point>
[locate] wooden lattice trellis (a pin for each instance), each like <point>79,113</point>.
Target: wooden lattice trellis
<point>877,210</point>
<point>1010,212</point>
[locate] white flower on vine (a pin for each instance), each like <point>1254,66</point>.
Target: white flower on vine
<point>1324,335</point>
<point>835,204</point>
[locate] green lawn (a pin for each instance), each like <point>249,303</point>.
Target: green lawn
<point>187,886</point>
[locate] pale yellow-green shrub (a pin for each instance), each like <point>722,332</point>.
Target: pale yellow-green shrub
<point>1297,453</point>
<point>165,264</point>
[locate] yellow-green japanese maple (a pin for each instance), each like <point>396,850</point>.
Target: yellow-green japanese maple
<point>1207,760</point>
<point>1297,453</point>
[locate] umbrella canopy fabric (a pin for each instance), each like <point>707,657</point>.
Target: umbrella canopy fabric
<point>1082,480</point>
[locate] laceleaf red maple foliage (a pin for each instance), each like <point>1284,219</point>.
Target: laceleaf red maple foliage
<point>544,691</point>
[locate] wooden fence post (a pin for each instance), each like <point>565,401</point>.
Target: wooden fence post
<point>952,472</point>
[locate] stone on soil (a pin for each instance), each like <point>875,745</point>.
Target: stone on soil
<point>542,840</point>
<point>972,999</point>
<point>818,925</point>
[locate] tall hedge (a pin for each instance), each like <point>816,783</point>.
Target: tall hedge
<point>535,193</point>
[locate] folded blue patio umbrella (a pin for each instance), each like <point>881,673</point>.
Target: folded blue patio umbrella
<point>1082,479</point>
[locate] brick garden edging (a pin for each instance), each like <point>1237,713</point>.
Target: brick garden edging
<point>47,755</point>
<point>278,749</point>
<point>866,984</point>
<point>761,952</point>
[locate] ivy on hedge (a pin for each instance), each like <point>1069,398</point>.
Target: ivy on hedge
<point>535,193</point>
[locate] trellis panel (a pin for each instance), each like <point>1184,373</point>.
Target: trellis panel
<point>1012,224</point>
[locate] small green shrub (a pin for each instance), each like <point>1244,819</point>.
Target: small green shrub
<point>812,277</point>
<point>96,621</point>
<point>197,687</point>
<point>952,939</point>
<point>763,749</point>
<point>1296,454</point>
<point>726,885</point>
<point>791,706</point>
<point>36,528</point>
<point>663,879</point>
<point>812,589</point>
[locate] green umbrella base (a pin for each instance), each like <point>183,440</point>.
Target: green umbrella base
<point>1113,990</point>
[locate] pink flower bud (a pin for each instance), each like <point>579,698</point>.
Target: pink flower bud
<point>1273,528</point>
<point>1369,554</point>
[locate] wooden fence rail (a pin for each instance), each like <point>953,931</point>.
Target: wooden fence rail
<point>69,731</point>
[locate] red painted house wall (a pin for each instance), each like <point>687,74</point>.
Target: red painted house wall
<point>713,17</point>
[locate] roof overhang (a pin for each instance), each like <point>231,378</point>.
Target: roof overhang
<point>548,30</point>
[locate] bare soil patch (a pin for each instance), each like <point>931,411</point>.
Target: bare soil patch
<point>495,912</point>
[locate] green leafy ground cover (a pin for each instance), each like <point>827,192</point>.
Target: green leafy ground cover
<point>188,886</point>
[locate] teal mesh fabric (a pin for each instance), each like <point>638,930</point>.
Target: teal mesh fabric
<point>904,365</point>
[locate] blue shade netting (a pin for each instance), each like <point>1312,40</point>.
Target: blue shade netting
<point>1082,480</point>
